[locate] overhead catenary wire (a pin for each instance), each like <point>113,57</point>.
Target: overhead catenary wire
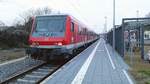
<point>77,10</point>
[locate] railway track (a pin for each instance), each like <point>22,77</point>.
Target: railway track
<point>34,75</point>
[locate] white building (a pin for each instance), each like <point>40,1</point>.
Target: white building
<point>147,35</point>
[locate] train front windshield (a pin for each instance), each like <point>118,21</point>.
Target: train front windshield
<point>49,26</point>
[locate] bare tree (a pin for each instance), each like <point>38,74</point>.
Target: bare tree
<point>34,12</point>
<point>27,17</point>
<point>19,33</point>
<point>2,23</point>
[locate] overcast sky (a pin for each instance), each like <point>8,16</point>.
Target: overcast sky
<point>90,12</point>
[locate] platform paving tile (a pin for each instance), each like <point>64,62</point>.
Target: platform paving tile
<point>118,60</point>
<point>67,74</point>
<point>100,70</point>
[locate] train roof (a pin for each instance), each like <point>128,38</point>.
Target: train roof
<point>52,15</point>
<point>73,18</point>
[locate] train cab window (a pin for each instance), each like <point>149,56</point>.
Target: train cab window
<point>72,27</point>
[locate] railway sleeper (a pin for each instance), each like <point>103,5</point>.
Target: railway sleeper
<point>43,70</point>
<point>39,72</point>
<point>22,81</point>
<point>34,76</point>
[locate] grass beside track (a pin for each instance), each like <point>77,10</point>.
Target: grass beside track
<point>140,69</point>
<point>7,55</point>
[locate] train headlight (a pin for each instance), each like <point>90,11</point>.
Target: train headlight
<point>37,44</point>
<point>33,44</point>
<point>59,43</point>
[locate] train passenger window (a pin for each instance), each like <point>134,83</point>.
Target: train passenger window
<point>79,30</point>
<point>85,30</point>
<point>72,27</point>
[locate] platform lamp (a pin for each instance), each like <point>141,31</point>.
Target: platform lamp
<point>114,24</point>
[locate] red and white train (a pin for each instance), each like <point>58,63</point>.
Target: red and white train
<point>54,35</point>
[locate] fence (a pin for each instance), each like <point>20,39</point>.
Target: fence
<point>131,35</point>
<point>118,39</point>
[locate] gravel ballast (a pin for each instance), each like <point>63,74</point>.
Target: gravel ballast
<point>11,67</point>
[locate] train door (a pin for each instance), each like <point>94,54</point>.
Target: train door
<point>73,32</point>
<point>74,29</point>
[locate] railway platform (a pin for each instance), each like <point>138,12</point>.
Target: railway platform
<point>98,64</point>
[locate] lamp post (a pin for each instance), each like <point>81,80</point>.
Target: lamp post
<point>114,24</point>
<point>105,26</point>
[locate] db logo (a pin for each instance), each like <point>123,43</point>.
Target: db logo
<point>72,39</point>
